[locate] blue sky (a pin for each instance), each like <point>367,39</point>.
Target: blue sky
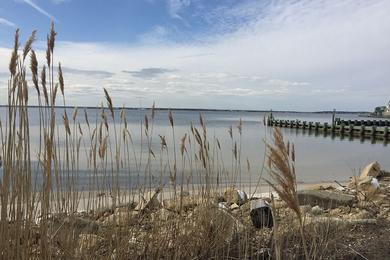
<point>247,54</point>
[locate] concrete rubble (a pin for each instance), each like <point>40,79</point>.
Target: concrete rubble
<point>234,212</point>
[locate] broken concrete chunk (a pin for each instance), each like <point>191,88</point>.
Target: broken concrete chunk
<point>261,214</point>
<point>325,199</point>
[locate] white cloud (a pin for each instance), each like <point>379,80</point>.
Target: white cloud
<point>6,22</point>
<point>175,6</point>
<point>39,9</point>
<point>306,55</point>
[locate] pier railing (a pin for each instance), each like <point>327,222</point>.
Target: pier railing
<point>364,129</point>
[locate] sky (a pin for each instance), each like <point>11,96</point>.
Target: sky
<point>304,55</point>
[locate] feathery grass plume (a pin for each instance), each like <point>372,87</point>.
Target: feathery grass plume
<point>170,117</point>
<point>153,110</point>
<point>235,150</point>
<point>104,117</point>
<point>51,37</point>
<point>74,114</point>
<point>80,130</point>
<point>109,102</point>
<point>86,117</point>
<point>230,131</point>
<point>43,83</point>
<point>14,57</point>
<point>61,78</point>
<point>48,53</point>
<point>239,126</point>
<point>162,142</point>
<point>25,91</point>
<point>152,153</point>
<point>146,124</point>
<point>34,70</point>
<point>282,172</point>
<point>183,144</point>
<point>55,94</point>
<point>66,122</point>
<point>202,123</point>
<point>27,46</point>
<point>103,147</point>
<point>122,113</point>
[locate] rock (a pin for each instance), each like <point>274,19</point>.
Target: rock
<point>150,201</point>
<point>233,195</point>
<point>373,169</point>
<point>261,214</point>
<point>87,242</point>
<point>325,199</point>
<point>317,210</point>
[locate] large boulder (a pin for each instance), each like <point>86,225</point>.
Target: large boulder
<point>325,199</point>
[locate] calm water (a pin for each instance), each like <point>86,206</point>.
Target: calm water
<point>318,158</point>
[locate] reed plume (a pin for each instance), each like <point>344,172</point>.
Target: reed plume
<point>27,46</point>
<point>14,56</point>
<point>281,164</point>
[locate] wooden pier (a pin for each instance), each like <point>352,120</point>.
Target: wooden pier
<point>363,129</point>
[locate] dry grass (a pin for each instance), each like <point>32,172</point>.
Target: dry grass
<point>39,215</point>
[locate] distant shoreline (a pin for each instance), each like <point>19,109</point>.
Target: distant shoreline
<point>208,109</point>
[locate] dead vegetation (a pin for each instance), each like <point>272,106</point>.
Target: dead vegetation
<point>159,219</point>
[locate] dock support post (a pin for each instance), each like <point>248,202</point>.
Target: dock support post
<point>333,117</point>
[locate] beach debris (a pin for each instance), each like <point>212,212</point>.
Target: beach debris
<point>261,214</point>
<point>325,199</point>
<point>234,206</point>
<point>233,195</point>
<point>373,169</point>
